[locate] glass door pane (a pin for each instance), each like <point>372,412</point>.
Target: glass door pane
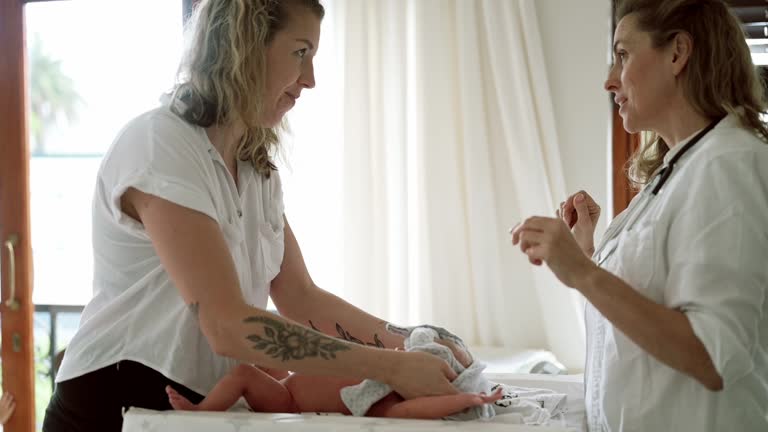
<point>94,65</point>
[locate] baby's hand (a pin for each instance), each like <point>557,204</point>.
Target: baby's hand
<point>477,399</point>
<point>493,397</point>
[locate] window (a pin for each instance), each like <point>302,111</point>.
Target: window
<point>94,64</point>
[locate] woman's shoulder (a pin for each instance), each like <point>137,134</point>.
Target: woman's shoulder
<point>156,132</point>
<point>730,164</point>
<point>162,123</point>
<point>158,141</point>
<point>734,142</point>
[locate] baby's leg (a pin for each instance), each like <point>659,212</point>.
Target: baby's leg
<point>277,374</point>
<point>431,407</point>
<point>262,392</point>
<point>318,393</point>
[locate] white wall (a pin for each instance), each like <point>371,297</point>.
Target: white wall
<point>576,39</point>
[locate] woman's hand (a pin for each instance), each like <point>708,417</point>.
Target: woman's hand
<point>445,338</point>
<point>462,355</point>
<point>418,374</point>
<point>581,213</point>
<point>549,240</point>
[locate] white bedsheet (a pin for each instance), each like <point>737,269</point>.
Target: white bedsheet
<point>141,420</point>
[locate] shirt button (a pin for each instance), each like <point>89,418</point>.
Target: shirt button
<point>239,213</point>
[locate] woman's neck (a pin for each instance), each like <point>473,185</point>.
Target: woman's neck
<point>225,139</point>
<point>680,122</point>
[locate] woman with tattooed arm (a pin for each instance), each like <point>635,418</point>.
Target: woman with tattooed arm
<point>190,239</point>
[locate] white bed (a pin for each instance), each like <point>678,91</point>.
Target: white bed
<point>141,420</point>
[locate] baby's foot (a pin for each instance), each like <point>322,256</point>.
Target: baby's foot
<point>7,406</point>
<point>179,402</point>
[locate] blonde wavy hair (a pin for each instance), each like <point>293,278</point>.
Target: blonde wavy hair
<point>222,76</point>
<point>719,78</point>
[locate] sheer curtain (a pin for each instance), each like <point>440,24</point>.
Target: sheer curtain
<point>445,139</point>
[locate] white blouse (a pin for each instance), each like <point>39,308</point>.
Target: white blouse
<point>136,312</point>
<point>700,246</point>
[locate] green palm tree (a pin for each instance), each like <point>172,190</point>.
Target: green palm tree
<point>52,94</point>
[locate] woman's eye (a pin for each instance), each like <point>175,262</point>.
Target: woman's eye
<point>301,53</point>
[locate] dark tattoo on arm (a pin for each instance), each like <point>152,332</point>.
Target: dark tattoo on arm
<point>292,342</point>
<point>345,335</point>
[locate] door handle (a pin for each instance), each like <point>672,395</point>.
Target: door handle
<point>10,245</point>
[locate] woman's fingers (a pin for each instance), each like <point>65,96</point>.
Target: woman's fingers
<point>528,238</point>
<point>536,235</point>
<point>533,232</point>
<point>569,212</point>
<point>535,223</point>
<point>567,209</point>
<point>462,356</point>
<point>449,372</point>
<point>536,253</point>
<point>513,233</point>
<point>531,238</point>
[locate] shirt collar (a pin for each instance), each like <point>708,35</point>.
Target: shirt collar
<point>725,122</point>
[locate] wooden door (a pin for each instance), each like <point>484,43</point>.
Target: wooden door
<point>16,309</point>
<point>16,269</point>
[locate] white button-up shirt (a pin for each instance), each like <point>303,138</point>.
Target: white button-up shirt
<point>700,246</point>
<point>136,312</point>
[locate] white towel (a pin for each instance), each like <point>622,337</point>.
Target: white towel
<point>518,405</point>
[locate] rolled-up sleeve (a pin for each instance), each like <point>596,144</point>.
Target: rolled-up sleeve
<point>158,157</point>
<point>717,251</point>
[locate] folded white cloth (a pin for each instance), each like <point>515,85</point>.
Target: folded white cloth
<point>518,405</point>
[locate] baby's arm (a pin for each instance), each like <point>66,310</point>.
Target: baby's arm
<point>431,407</point>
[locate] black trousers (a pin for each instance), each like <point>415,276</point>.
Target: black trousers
<point>95,401</point>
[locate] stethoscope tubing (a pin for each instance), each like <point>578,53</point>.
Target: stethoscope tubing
<point>626,220</point>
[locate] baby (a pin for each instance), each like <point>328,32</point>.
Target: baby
<point>267,390</point>
<point>299,393</point>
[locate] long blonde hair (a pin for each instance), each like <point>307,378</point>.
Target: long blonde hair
<point>719,78</point>
<point>222,77</point>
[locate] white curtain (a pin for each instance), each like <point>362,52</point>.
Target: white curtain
<point>447,139</point>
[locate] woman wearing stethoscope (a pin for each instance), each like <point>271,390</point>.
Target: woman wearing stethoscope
<point>677,291</point>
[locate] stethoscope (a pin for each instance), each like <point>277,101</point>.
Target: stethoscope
<point>626,220</point>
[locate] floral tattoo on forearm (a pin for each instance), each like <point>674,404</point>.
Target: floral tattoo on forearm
<point>345,335</point>
<point>292,342</point>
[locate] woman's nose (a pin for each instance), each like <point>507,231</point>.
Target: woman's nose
<point>612,81</point>
<point>307,77</point>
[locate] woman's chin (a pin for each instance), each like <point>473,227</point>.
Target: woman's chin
<point>273,121</point>
<point>629,125</point>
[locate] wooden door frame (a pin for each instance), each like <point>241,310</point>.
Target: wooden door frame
<point>18,366</point>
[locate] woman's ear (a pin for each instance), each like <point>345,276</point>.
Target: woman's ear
<point>682,47</point>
